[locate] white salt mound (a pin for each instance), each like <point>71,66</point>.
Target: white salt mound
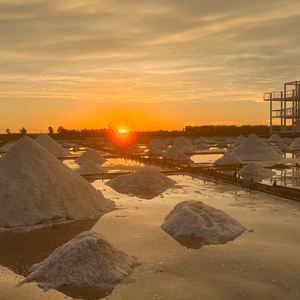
<point>201,139</point>
<point>91,155</point>
<point>239,140</point>
<point>175,154</point>
<point>50,145</point>
<point>253,148</point>
<point>274,138</point>
<point>202,146</point>
<point>154,151</point>
<point>86,260</point>
<point>295,145</point>
<point>143,179</point>
<point>255,170</point>
<point>181,142</point>
<point>36,187</point>
<point>89,167</point>
<point>228,159</point>
<point>282,146</point>
<point>135,148</point>
<point>199,221</point>
<point>187,150</point>
<point>157,144</point>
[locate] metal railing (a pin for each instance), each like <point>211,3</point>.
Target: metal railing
<point>279,95</point>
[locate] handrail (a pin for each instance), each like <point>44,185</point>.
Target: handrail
<point>279,95</point>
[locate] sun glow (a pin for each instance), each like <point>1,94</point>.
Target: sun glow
<point>122,137</point>
<point>122,130</point>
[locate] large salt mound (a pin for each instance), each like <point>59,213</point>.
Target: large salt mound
<point>36,187</point>
<point>255,170</point>
<point>175,154</point>
<point>88,260</point>
<point>193,223</point>
<point>135,148</point>
<point>295,145</point>
<point>187,150</point>
<point>52,146</point>
<point>91,155</point>
<point>253,148</point>
<point>143,179</point>
<point>228,159</point>
<point>89,167</point>
<point>157,144</point>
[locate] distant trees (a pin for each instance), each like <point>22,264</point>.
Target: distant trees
<point>50,130</point>
<point>7,131</point>
<point>23,131</point>
<point>60,129</point>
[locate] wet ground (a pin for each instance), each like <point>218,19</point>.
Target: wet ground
<point>263,263</point>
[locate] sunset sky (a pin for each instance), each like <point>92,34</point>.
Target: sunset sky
<point>147,65</point>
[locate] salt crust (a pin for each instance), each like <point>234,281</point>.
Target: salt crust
<point>91,155</point>
<point>253,148</point>
<point>199,221</point>
<point>89,167</point>
<point>255,170</point>
<point>175,154</point>
<point>50,145</point>
<point>181,142</point>
<point>35,187</point>
<point>86,260</point>
<point>154,151</point>
<point>144,179</point>
<point>228,159</point>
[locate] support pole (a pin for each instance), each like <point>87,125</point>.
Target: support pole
<point>270,116</point>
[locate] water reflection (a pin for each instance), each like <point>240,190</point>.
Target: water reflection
<point>285,177</point>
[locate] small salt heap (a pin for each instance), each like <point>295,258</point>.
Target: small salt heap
<point>88,260</point>
<point>36,187</point>
<point>175,154</point>
<point>187,150</point>
<point>181,142</point>
<point>91,155</point>
<point>195,224</point>
<point>154,151</point>
<point>201,139</point>
<point>296,144</point>
<point>135,148</point>
<point>239,140</point>
<point>275,138</point>
<point>52,146</point>
<point>89,168</point>
<point>157,144</point>
<point>255,170</point>
<point>202,146</point>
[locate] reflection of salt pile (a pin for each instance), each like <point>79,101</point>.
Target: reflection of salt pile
<point>135,148</point>
<point>255,170</point>
<point>89,167</point>
<point>50,145</point>
<point>154,151</point>
<point>228,159</point>
<point>274,138</point>
<point>253,148</point>
<point>144,179</point>
<point>86,260</point>
<point>91,155</point>
<point>175,154</point>
<point>181,142</point>
<point>193,219</point>
<point>36,187</point>
<point>239,140</point>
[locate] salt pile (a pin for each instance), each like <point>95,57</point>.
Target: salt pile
<point>52,146</point>
<point>253,148</point>
<point>277,149</point>
<point>229,141</point>
<point>239,140</point>
<point>295,145</point>
<point>154,151</point>
<point>157,144</point>
<point>201,139</point>
<point>35,187</point>
<point>181,142</point>
<point>255,170</point>
<point>202,146</point>
<point>228,159</point>
<point>274,138</point>
<point>89,167</point>
<point>187,150</point>
<point>91,155</point>
<point>135,148</point>
<point>144,179</point>
<point>88,260</point>
<point>192,221</point>
<point>282,146</point>
<point>175,154</point>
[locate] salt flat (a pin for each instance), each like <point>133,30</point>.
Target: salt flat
<point>262,263</point>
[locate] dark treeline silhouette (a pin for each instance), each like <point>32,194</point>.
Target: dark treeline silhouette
<point>229,130</point>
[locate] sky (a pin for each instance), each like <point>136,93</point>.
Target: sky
<point>144,65</point>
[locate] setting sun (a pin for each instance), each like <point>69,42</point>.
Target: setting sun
<point>122,130</point>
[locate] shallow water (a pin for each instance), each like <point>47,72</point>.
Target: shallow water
<point>261,264</point>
